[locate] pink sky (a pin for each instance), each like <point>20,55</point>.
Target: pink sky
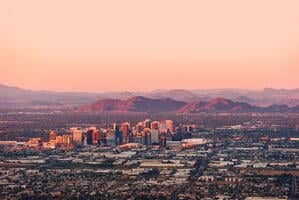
<point>94,45</point>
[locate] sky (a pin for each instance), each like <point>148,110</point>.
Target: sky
<point>138,45</point>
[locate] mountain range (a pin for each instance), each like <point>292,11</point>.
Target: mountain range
<point>134,104</point>
<point>15,97</point>
<point>148,105</point>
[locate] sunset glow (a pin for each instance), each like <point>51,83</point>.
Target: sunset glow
<point>72,45</point>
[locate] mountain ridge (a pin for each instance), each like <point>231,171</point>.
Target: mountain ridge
<point>148,105</point>
<point>18,97</point>
<point>133,104</point>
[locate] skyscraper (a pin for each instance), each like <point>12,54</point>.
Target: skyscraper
<point>67,139</point>
<point>52,136</point>
<point>93,137</point>
<point>103,138</point>
<point>147,123</point>
<point>170,126</point>
<point>155,132</point>
<point>77,136</point>
<point>139,127</point>
<point>155,125</point>
<point>126,132</point>
<point>146,136</point>
<point>154,136</point>
<point>163,127</point>
<point>118,135</point>
<point>59,140</point>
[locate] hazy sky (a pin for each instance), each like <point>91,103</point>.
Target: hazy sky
<point>97,45</point>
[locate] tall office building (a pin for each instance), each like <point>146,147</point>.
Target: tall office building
<point>146,136</point>
<point>118,136</point>
<point>52,136</point>
<point>77,136</point>
<point>139,127</point>
<point>114,126</point>
<point>59,140</point>
<point>178,134</point>
<point>93,137</point>
<point>126,132</point>
<point>155,125</point>
<point>67,139</point>
<point>155,137</point>
<point>163,127</point>
<point>89,137</point>
<point>147,123</point>
<point>170,126</point>
<point>97,137</point>
<point>103,138</point>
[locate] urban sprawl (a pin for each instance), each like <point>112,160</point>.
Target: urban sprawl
<point>151,159</point>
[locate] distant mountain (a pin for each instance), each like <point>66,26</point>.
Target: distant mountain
<point>120,95</point>
<point>14,97</point>
<point>226,105</point>
<point>18,97</point>
<point>281,91</point>
<point>134,104</point>
<point>11,91</point>
<point>265,97</point>
<point>282,108</point>
<point>217,105</point>
<point>148,105</point>
<point>178,94</point>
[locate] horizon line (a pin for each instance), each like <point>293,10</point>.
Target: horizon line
<point>144,91</point>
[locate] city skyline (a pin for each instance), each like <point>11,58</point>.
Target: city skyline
<point>149,100</point>
<point>138,46</point>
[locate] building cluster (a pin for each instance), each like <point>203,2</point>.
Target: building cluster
<point>54,141</point>
<point>146,132</point>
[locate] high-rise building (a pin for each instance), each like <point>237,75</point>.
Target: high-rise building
<point>77,136</point>
<point>84,140</point>
<point>163,127</point>
<point>126,132</point>
<point>89,136</point>
<point>178,134</point>
<point>146,136</point>
<point>155,132</point>
<point>139,127</point>
<point>170,126</point>
<point>103,138</point>
<point>147,123</point>
<point>52,136</point>
<point>93,137</point>
<point>114,126</point>
<point>118,135</point>
<point>155,137</point>
<point>155,125</point>
<point>67,139</point>
<point>96,137</point>
<point>187,131</point>
<point>59,139</point>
